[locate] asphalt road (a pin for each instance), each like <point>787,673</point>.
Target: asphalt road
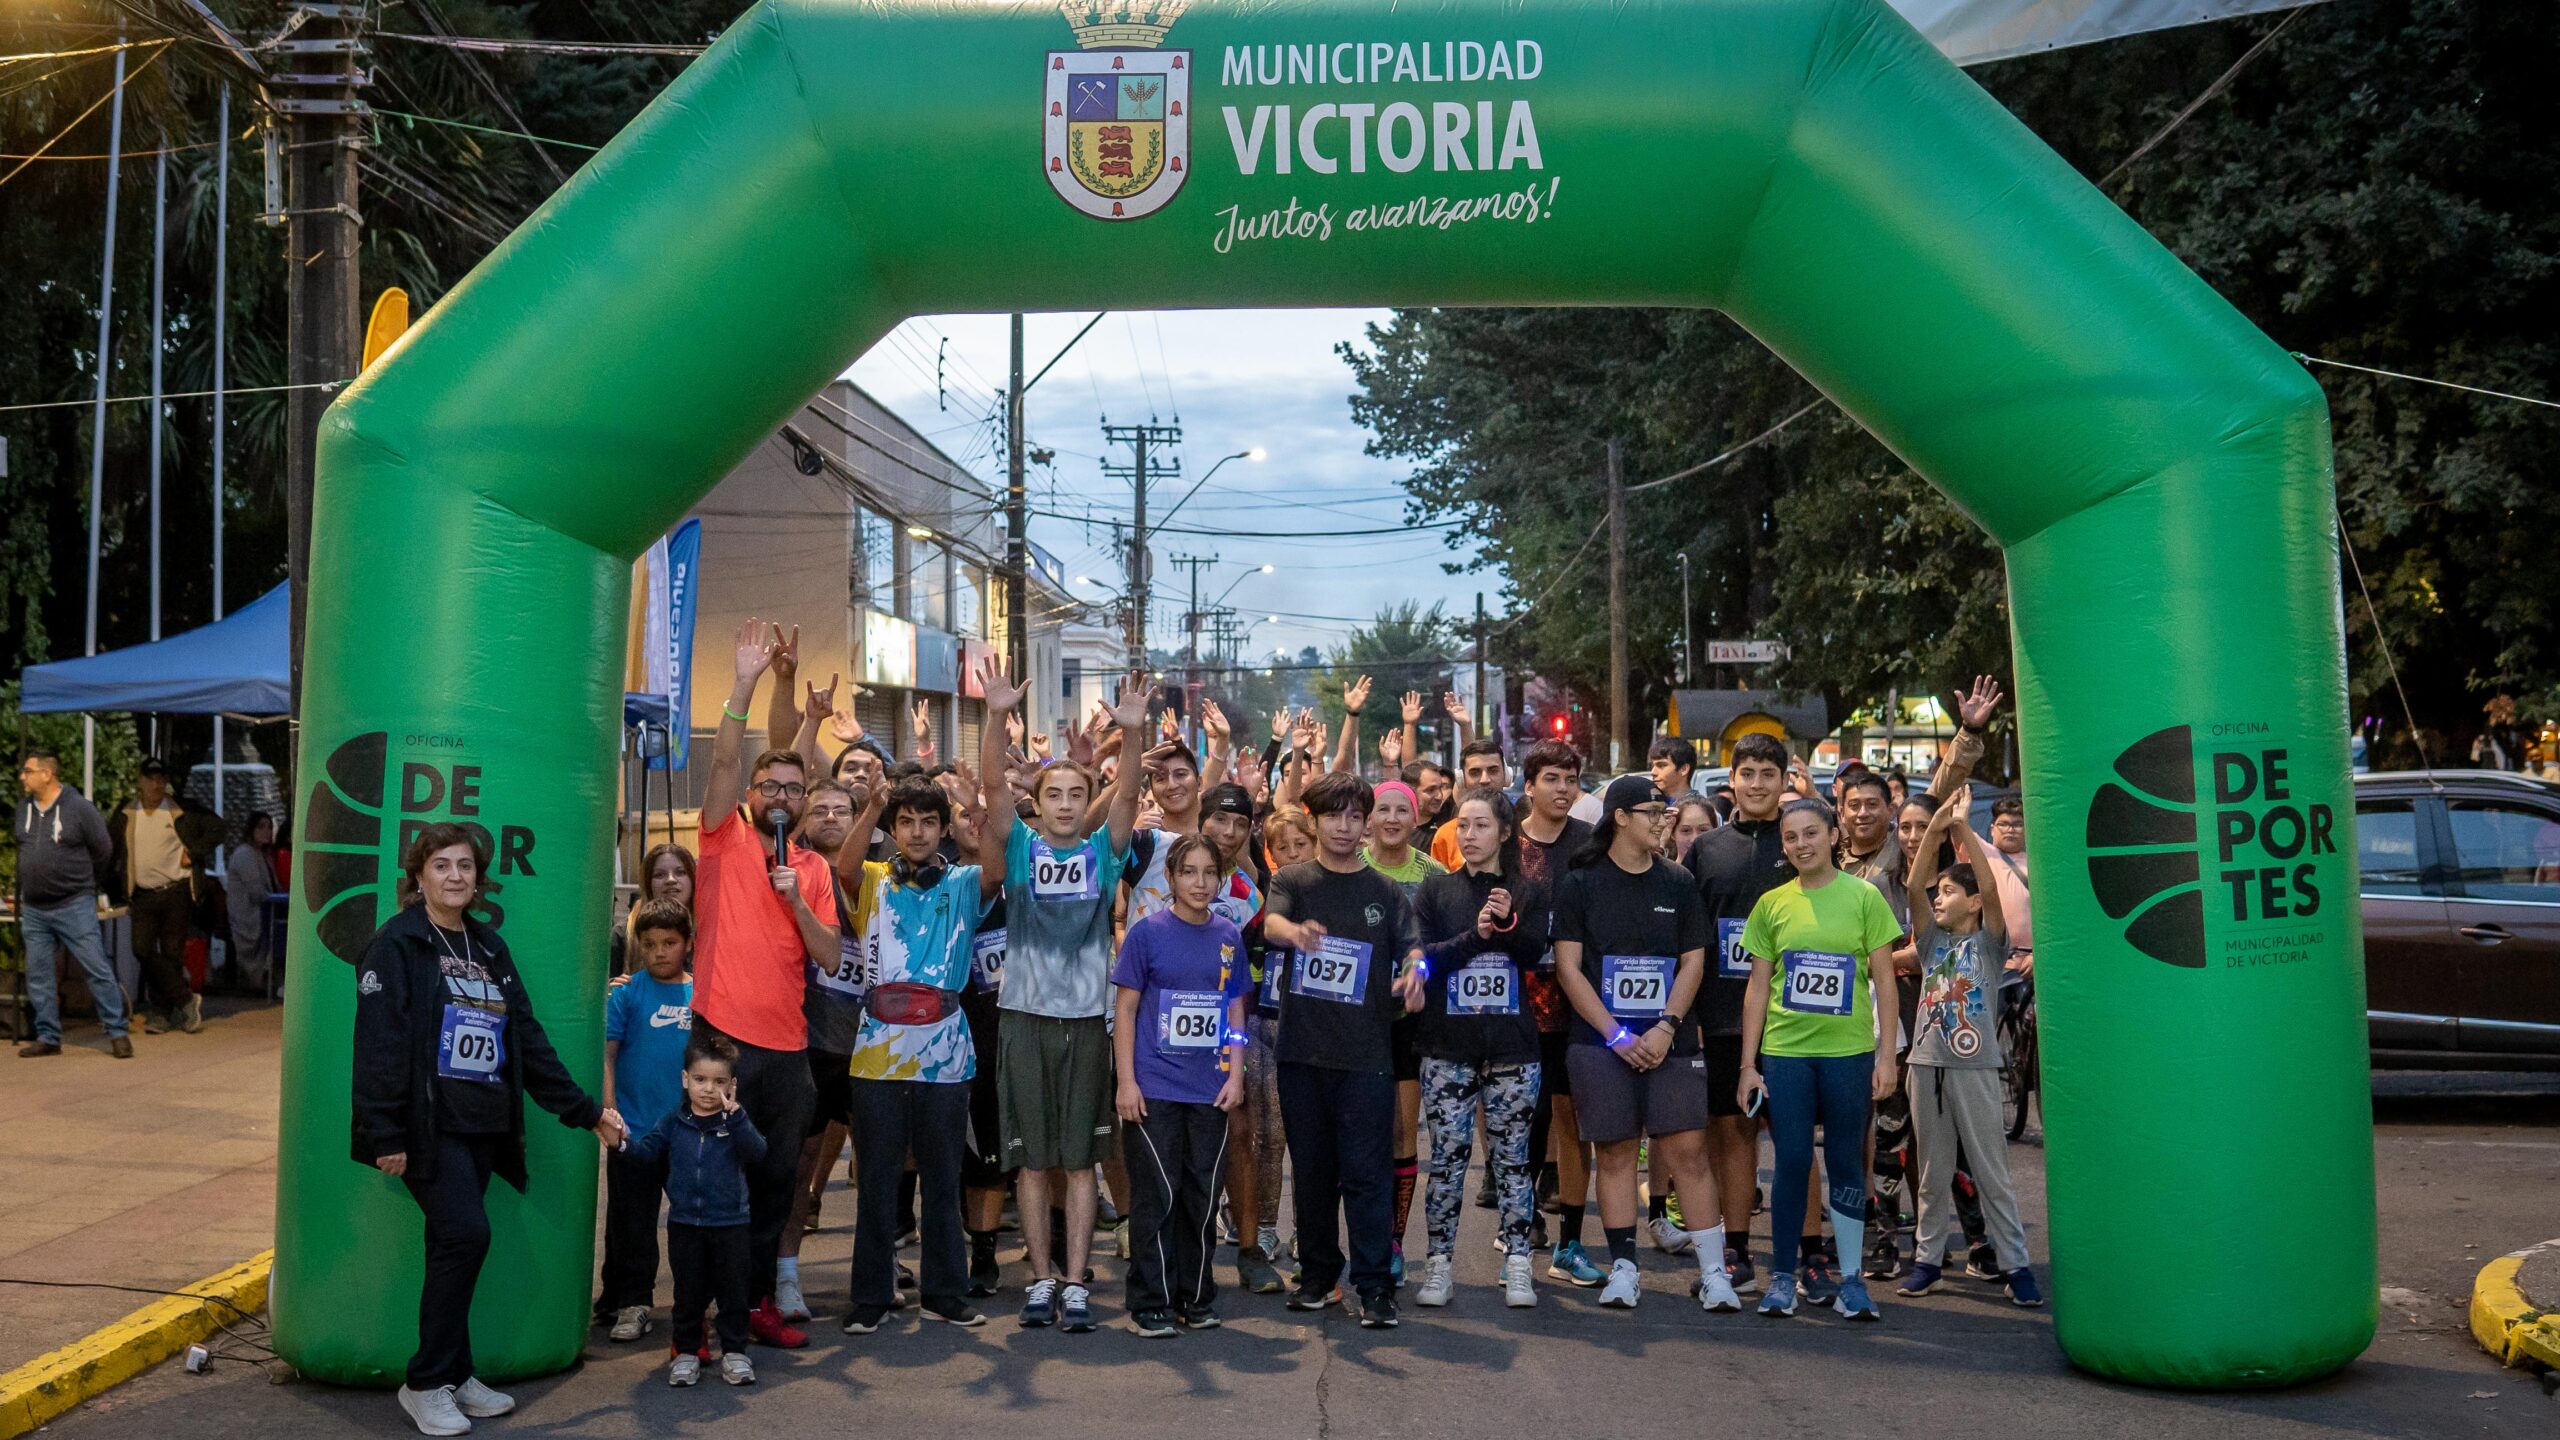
<point>2466,1166</point>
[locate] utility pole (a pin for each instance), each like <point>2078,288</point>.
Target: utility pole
<point>1191,631</point>
<point>323,230</point>
<point>1617,610</point>
<point>1143,467</point>
<point>1684,618</point>
<point>1484,709</point>
<point>1017,539</point>
<point>98,425</point>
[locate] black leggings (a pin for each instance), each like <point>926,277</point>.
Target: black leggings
<point>457,1217</point>
<point>710,1264</point>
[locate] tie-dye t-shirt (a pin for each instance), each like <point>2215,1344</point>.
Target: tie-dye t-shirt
<point>917,937</point>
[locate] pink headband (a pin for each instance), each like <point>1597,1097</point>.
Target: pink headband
<point>1409,797</point>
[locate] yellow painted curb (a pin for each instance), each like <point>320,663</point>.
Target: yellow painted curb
<point>2505,1322</point>
<point>48,1385</point>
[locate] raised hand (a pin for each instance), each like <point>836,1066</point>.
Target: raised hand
<point>786,660</point>
<point>1214,721</point>
<point>1002,695</point>
<point>1412,703</point>
<point>842,724</point>
<point>1167,728</point>
<point>922,713</point>
<point>1975,710</point>
<point>1131,713</point>
<point>1250,774</point>
<point>1040,745</point>
<point>1302,730</point>
<point>823,702</point>
<point>1453,707</point>
<point>1391,749</point>
<point>1958,807</point>
<point>758,643</point>
<point>1355,695</point>
<point>1280,724</point>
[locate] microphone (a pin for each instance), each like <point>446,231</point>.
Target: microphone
<point>780,819</point>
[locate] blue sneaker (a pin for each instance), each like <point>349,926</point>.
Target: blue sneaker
<point>1569,1264</point>
<point>1780,1302</point>
<point>1040,1304</point>
<point>2022,1288</point>
<point>1075,1310</point>
<point>1819,1279</point>
<point>1924,1278</point>
<point>1852,1301</point>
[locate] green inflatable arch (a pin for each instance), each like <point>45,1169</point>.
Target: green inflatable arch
<point>2156,469</point>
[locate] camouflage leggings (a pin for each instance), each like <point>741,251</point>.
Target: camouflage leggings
<point>1450,1090</point>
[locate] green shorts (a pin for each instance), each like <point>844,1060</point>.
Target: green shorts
<point>1053,1092</point>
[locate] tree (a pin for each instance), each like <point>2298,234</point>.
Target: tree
<point>1406,648</point>
<point>2381,186</point>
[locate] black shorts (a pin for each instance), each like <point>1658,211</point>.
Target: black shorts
<point>1724,1075</point>
<point>833,1073</point>
<point>982,1166</point>
<point>1553,1073</point>
<point>1408,1060</point>
<point>1615,1102</point>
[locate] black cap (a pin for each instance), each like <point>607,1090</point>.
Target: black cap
<point>153,765</point>
<point>1231,798</point>
<point>1629,791</point>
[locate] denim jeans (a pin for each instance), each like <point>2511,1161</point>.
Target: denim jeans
<point>72,925</point>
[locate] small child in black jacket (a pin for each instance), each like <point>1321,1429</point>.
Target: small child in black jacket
<point>708,1144</point>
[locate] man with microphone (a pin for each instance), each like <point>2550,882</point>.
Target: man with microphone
<point>763,908</point>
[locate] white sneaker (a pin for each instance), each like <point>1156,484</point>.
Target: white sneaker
<point>737,1369</point>
<point>630,1323</point>
<point>1620,1292</point>
<point>788,1299</point>
<point>479,1401</point>
<point>684,1370</point>
<point>1670,1239</point>
<point>433,1411</point>
<point>1716,1295</point>
<point>1517,1291</point>
<point>1436,1283</point>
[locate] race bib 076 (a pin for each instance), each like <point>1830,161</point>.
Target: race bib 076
<point>1056,877</point>
<point>1339,971</point>
<point>1819,982</point>
<point>1636,987</point>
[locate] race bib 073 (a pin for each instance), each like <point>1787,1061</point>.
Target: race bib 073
<point>1819,982</point>
<point>473,1044</point>
<point>1339,971</point>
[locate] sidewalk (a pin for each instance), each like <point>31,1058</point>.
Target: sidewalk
<point>153,1172</point>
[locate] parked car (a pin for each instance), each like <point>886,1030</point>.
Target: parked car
<point>2460,876</point>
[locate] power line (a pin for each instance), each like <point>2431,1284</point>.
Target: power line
<point>172,395</point>
<point>486,129</point>
<point>162,48</point>
<point>489,45</point>
<point>2422,379</point>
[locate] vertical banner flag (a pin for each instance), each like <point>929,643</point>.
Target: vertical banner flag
<point>665,589</point>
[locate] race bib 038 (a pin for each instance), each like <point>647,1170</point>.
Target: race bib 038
<point>1484,987</point>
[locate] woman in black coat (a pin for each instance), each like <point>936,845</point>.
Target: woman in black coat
<point>446,1051</point>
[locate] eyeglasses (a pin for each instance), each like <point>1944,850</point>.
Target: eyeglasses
<point>1650,812</point>
<point>781,790</point>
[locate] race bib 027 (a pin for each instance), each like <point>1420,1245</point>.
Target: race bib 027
<point>1339,971</point>
<point>1636,987</point>
<point>1819,982</point>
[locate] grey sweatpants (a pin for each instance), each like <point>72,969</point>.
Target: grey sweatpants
<point>1951,1107</point>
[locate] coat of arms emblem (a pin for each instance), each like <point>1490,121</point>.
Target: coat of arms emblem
<point>1116,142</point>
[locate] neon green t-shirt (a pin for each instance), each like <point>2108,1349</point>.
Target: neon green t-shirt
<point>1817,943</point>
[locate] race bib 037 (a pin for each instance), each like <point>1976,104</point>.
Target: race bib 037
<point>1339,971</point>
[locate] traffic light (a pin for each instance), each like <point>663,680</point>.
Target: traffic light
<point>1560,724</point>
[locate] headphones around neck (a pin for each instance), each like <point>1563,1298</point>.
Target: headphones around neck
<point>923,877</point>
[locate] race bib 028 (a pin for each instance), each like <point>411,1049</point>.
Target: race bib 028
<point>1819,982</point>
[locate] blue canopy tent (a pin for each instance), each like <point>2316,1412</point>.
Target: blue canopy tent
<point>238,665</point>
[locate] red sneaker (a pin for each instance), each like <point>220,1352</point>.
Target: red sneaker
<point>765,1326</point>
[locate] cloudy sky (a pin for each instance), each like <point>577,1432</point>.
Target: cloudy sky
<point>1236,380</point>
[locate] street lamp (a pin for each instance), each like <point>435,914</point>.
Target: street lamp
<point>1231,588</point>
<point>1256,454</point>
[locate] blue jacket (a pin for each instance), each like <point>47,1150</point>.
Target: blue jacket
<point>707,1158</point>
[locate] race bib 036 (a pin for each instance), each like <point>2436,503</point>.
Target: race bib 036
<point>1190,1021</point>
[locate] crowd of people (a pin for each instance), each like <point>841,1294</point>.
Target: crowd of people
<point>1121,985</point>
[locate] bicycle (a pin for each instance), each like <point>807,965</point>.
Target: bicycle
<point>2020,1077</point>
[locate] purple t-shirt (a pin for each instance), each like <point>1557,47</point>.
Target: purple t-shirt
<point>1184,975</point>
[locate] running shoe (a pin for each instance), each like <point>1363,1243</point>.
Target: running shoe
<point>737,1369</point>
<point>1105,1214</point>
<point>1254,1271</point>
<point>1567,1262</point>
<point>684,1370</point>
<point>1624,1284</point>
<point>2022,1288</point>
<point>1884,1257</point>
<point>1669,1238</point>
<point>630,1323</point>
<point>1924,1278</point>
<point>957,1312</point>
<point>765,1326</point>
<point>984,1277</point>
<point>1983,1263</point>
<point>1306,1299</point>
<point>788,1300</point>
<point>1378,1311</point>
<point>1436,1284</point>
<point>1852,1301</point>
<point>1153,1325</point>
<point>1200,1317</point>
<point>479,1401</point>
<point>191,1020</point>
<point>1075,1310</point>
<point>1738,1267</point>
<point>1517,1292</point>
<point>1780,1302</point>
<point>1715,1294</point>
<point>1040,1304</point>
<point>865,1318</point>
<point>1818,1278</point>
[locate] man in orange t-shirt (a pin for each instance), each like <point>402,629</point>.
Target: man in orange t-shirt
<point>762,907</point>
<point>1480,767</point>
